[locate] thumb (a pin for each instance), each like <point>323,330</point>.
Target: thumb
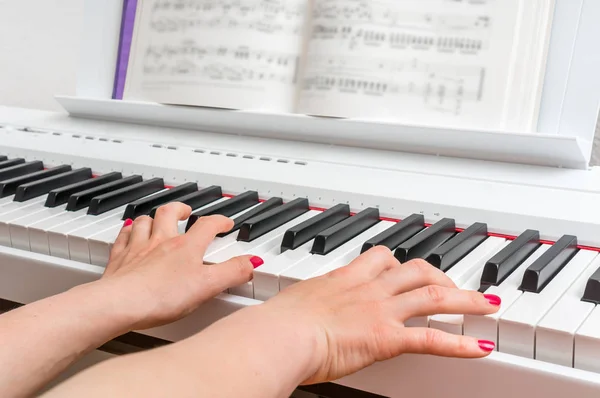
<point>436,342</point>
<point>233,272</point>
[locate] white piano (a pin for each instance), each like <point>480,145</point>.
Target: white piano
<point>522,202</point>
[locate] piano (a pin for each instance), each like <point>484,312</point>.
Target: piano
<point>517,215</point>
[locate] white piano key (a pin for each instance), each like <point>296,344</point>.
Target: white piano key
<point>485,327</point>
<point>266,277</point>
<point>516,329</point>
<point>38,232</point>
<point>79,249</point>
<point>307,268</point>
<point>555,333</point>
<point>587,343</point>
<point>475,262</point>
<point>6,200</point>
<point>19,228</point>
<point>101,244</point>
<point>16,210</point>
<point>259,245</point>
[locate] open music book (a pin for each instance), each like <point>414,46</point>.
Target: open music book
<point>452,63</point>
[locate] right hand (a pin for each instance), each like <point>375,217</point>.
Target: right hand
<point>356,314</point>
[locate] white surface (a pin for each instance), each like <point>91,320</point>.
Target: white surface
<point>39,50</point>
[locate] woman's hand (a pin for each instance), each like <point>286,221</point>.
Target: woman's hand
<point>356,314</point>
<point>163,271</point>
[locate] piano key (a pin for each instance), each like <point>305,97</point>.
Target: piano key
<point>144,206</point>
<point>261,244</point>
<point>60,196</point>
<point>198,199</point>
<point>19,228</point>
<point>9,187</point>
<point>486,327</point>
<point>108,201</point>
<point>266,277</point>
<point>587,343</point>
<point>555,335</point>
<point>308,230</point>
<point>6,163</point>
<point>20,170</point>
<point>517,326</point>
<point>540,273</point>
<point>3,158</point>
<point>42,187</point>
<point>307,268</point>
<point>466,271</point>
<point>39,231</point>
<point>592,289</point>
<point>424,243</point>
<point>398,234</point>
<point>16,210</point>
<point>227,239</point>
<point>264,223</point>
<point>82,199</point>
<point>78,240</point>
<point>228,208</point>
<point>509,259</point>
<point>262,208</point>
<point>335,236</point>
<point>451,252</point>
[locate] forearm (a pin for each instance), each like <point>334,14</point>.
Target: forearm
<point>246,354</point>
<point>42,339</point>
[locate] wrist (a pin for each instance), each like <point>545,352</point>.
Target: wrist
<point>106,305</point>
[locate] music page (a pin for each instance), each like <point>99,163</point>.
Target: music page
<point>236,54</point>
<point>431,62</point>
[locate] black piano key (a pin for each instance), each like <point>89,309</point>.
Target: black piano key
<point>38,188</point>
<point>333,237</point>
<point>592,289</point>
<point>21,169</point>
<point>11,162</point>
<point>265,206</point>
<point>226,208</point>
<point>3,158</point>
<point>499,267</point>
<point>60,196</point>
<point>548,265</point>
<point>307,230</point>
<point>82,199</point>
<point>197,199</point>
<point>424,243</point>
<point>111,200</point>
<point>143,206</point>
<point>447,255</point>
<point>9,187</point>
<point>398,234</point>
<point>274,218</point>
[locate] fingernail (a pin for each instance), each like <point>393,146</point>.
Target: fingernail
<point>487,345</point>
<point>128,222</point>
<point>256,261</point>
<point>493,299</point>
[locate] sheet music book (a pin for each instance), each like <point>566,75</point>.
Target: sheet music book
<point>451,63</point>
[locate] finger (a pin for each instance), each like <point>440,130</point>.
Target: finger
<point>432,299</point>
<point>166,220</point>
<point>370,264</point>
<point>231,273</point>
<point>428,341</point>
<point>413,275</point>
<point>140,233</point>
<point>204,231</point>
<point>122,239</point>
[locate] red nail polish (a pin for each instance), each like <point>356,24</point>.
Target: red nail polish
<point>256,261</point>
<point>493,299</point>
<point>487,345</point>
<point>128,222</point>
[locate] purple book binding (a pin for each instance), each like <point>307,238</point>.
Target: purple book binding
<point>127,23</point>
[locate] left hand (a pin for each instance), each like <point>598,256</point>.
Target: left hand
<point>163,271</point>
